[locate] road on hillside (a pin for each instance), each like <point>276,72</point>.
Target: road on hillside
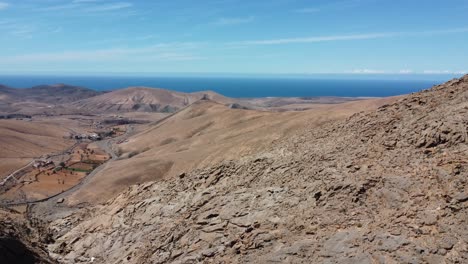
<point>106,145</point>
<point>12,175</point>
<point>50,207</point>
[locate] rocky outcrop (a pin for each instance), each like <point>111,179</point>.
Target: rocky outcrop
<point>383,187</point>
<point>19,241</point>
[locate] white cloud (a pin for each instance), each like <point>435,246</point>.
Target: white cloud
<point>307,10</point>
<point>315,39</point>
<point>234,20</point>
<point>12,28</point>
<point>405,71</point>
<point>436,72</point>
<point>110,7</point>
<point>23,32</point>
<point>59,7</point>
<point>56,30</point>
<point>88,5</point>
<point>349,37</point>
<point>443,72</point>
<point>4,5</point>
<point>84,1</point>
<point>367,71</point>
<point>159,52</point>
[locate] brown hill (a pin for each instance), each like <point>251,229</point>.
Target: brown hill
<point>43,99</point>
<point>144,99</point>
<point>49,94</point>
<point>201,135</point>
<point>22,141</point>
<point>387,186</point>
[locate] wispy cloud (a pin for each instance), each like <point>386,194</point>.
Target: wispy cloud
<point>226,21</point>
<point>59,7</point>
<point>406,71</point>
<point>121,40</point>
<point>331,5</point>
<point>444,72</point>
<point>381,35</point>
<point>16,29</point>
<point>4,5</point>
<point>158,52</point>
<point>315,39</point>
<point>56,30</point>
<point>367,71</point>
<point>89,6</point>
<point>24,32</point>
<point>85,1</point>
<point>110,7</point>
<point>307,10</point>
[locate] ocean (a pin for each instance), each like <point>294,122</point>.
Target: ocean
<point>244,87</point>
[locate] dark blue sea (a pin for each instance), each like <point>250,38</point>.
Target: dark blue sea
<point>346,86</point>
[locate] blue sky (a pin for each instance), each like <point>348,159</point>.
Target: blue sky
<point>234,36</point>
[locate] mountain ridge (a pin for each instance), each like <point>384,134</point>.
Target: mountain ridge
<point>145,99</point>
<point>56,93</point>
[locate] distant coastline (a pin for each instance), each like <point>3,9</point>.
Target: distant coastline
<point>243,87</point>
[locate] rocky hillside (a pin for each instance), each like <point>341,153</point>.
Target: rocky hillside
<point>388,186</point>
<point>19,242</point>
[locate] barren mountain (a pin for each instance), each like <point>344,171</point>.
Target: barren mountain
<point>387,186</point>
<point>201,135</point>
<point>144,99</point>
<point>61,99</point>
<point>41,99</point>
<point>50,94</point>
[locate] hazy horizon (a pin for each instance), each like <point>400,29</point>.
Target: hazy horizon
<point>240,87</point>
<point>352,76</point>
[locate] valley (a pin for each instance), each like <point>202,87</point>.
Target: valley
<point>85,150</point>
<point>185,178</point>
<point>233,131</point>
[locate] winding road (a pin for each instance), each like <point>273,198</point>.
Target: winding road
<point>106,145</point>
<point>12,175</point>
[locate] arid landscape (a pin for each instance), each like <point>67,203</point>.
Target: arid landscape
<point>233,131</point>
<point>144,175</point>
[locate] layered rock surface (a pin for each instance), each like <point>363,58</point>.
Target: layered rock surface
<point>383,187</point>
<point>21,241</point>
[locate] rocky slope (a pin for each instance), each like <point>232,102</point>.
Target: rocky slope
<point>19,242</point>
<point>388,186</point>
<point>201,135</point>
